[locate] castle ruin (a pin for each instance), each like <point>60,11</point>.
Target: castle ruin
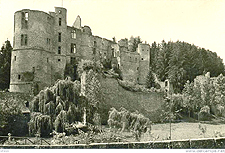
<point>43,43</point>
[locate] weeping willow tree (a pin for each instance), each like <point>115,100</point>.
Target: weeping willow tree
<point>62,104</point>
<point>40,124</point>
<point>128,121</point>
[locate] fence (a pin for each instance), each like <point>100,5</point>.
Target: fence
<point>209,143</point>
<point>24,140</point>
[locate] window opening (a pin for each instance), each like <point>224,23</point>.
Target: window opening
<point>60,21</point>
<point>73,34</point>
<point>59,37</point>
<point>59,50</point>
<point>73,48</point>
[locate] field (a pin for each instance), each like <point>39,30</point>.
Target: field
<point>180,131</point>
<point>185,130</point>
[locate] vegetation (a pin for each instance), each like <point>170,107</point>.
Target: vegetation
<point>12,120</point>
<point>5,64</point>
<point>181,61</point>
<point>133,43</point>
<point>126,120</point>
<point>58,107</point>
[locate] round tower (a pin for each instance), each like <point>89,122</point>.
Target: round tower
<point>32,50</point>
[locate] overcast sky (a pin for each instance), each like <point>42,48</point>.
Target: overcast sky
<point>199,22</point>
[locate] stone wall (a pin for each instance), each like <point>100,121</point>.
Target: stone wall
<point>129,62</point>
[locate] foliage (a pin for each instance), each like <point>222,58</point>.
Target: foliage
<point>71,71</point>
<point>133,43</point>
<point>86,65</point>
<point>126,120</point>
<point>5,64</point>
<point>40,124</point>
<point>204,114</point>
<point>12,119</point>
<point>64,104</point>
<point>180,61</point>
<point>171,108</point>
<point>131,86</point>
<point>150,80</point>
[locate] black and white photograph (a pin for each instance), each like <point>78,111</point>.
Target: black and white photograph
<point>112,74</point>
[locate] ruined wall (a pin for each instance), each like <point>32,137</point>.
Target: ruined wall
<point>47,44</point>
<point>129,65</point>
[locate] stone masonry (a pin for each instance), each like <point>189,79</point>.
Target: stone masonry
<point>43,43</point>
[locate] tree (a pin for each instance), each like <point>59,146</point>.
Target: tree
<point>71,70</point>
<point>133,43</point>
<point>150,80</point>
<point>5,64</point>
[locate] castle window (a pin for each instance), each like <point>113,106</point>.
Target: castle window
<point>33,69</point>
<point>19,77</point>
<point>95,44</point>
<point>94,50</point>
<point>26,16</point>
<point>137,68</point>
<point>143,50</point>
<point>47,60</point>
<point>60,11</point>
<point>59,37</point>
<point>73,48</point>
<point>59,59</point>
<point>142,59</point>
<point>24,20</point>
<point>60,21</point>
<point>59,50</point>
<point>48,41</point>
<point>23,39</point>
<point>15,58</point>
<point>73,34</point>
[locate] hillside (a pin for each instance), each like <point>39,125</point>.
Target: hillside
<point>114,95</point>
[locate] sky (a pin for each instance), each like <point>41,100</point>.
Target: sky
<point>198,22</point>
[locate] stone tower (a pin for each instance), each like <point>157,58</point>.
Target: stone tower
<point>44,44</point>
<point>32,50</point>
<point>60,42</point>
<point>144,51</point>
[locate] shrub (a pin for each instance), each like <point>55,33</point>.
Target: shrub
<point>11,118</point>
<point>125,120</point>
<point>40,124</point>
<point>204,114</point>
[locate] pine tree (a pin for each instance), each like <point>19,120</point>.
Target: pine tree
<point>5,64</point>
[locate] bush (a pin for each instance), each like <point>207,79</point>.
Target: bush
<point>204,114</point>
<point>12,120</point>
<point>125,120</point>
<point>40,124</point>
